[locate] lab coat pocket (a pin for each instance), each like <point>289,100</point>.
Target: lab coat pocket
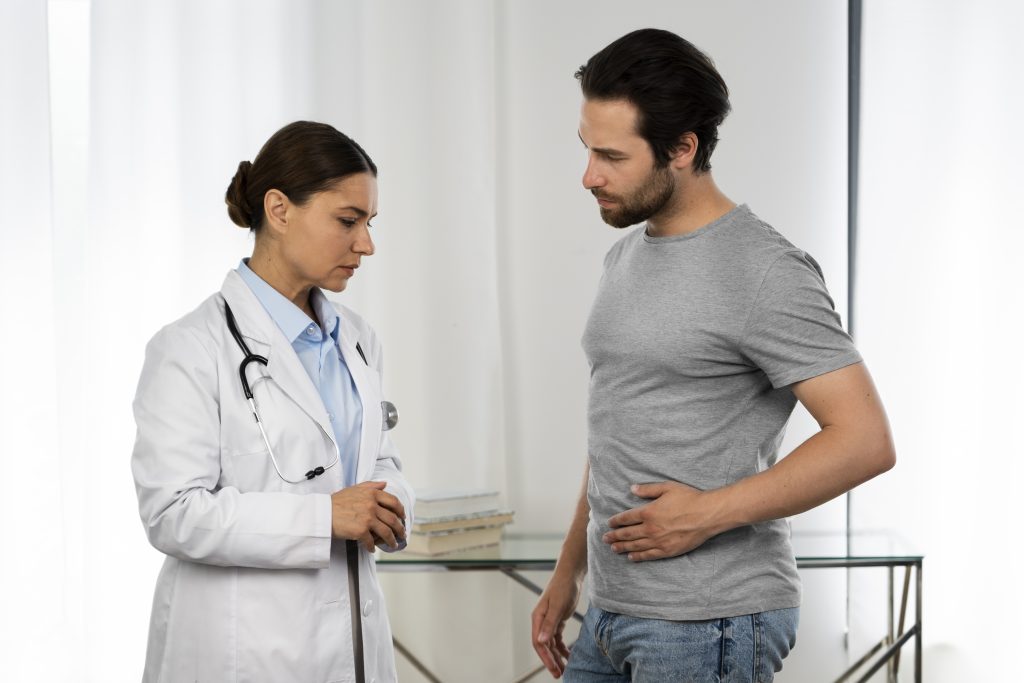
<point>252,471</point>
<point>291,443</point>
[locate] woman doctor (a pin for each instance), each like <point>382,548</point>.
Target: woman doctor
<point>254,502</point>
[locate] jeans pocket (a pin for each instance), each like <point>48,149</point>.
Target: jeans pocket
<point>774,637</point>
<point>602,629</point>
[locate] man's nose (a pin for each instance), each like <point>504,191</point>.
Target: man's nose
<point>591,177</point>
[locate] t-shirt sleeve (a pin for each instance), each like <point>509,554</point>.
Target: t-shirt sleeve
<point>793,332</point>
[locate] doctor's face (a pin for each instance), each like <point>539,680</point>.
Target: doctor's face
<point>328,236</point>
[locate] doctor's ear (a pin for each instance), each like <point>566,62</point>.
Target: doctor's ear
<point>275,209</point>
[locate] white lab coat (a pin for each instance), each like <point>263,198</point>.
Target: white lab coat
<point>253,587</point>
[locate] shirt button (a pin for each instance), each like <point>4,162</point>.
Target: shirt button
<point>330,416</point>
<point>367,608</point>
<point>311,330</point>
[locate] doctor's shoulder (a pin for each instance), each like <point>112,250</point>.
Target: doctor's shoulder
<point>193,332</point>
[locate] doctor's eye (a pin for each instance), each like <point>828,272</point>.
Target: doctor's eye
<point>348,222</point>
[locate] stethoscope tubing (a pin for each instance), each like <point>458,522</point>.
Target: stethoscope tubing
<point>251,357</point>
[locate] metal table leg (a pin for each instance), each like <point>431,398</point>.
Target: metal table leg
<point>903,613</point>
<point>518,578</point>
<point>892,643</point>
<point>890,671</point>
<point>417,664</point>
<point>530,585</point>
<point>920,623</point>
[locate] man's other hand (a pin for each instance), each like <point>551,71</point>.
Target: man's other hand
<point>553,609</point>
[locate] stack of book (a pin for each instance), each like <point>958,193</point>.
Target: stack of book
<point>447,521</point>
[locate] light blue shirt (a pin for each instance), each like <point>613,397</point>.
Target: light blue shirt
<point>320,355</point>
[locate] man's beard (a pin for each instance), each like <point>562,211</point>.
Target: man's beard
<point>655,192</point>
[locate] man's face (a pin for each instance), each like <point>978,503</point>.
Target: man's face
<point>621,171</point>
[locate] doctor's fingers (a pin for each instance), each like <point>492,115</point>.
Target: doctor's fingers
<point>368,542</point>
<point>393,521</point>
<point>386,500</point>
<point>385,533</point>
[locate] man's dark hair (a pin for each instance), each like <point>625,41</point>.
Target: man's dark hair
<point>675,87</point>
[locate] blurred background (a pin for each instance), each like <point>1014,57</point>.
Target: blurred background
<point>122,122</point>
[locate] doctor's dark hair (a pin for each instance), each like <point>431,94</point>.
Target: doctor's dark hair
<point>301,159</point>
<point>675,87</point>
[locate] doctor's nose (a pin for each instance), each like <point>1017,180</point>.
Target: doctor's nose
<point>364,243</point>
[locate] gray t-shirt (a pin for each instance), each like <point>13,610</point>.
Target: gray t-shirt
<point>693,342</point>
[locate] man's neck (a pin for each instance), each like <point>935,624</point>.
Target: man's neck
<point>696,203</point>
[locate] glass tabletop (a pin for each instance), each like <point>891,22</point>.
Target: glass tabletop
<point>539,551</point>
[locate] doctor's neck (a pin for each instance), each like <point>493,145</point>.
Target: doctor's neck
<point>278,276</point>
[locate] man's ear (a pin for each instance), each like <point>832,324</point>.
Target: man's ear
<point>275,211</point>
<point>685,151</point>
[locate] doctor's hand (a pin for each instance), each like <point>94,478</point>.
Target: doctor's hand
<point>554,608</point>
<point>367,513</point>
<point>678,519</point>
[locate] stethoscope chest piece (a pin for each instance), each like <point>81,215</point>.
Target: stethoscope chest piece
<point>390,415</point>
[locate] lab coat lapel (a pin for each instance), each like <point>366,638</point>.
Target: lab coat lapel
<point>283,364</point>
<point>368,387</point>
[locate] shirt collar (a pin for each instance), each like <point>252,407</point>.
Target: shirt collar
<point>327,313</point>
<point>289,317</point>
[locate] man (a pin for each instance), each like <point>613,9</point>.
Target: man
<point>707,327</point>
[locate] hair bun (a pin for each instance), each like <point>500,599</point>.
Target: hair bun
<point>237,198</point>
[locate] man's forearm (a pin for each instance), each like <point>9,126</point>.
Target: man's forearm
<point>854,445</point>
<point>828,464</point>
<point>572,560</point>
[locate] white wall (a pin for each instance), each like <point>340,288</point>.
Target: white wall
<point>939,315</point>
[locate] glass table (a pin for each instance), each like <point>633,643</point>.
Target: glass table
<point>538,552</point>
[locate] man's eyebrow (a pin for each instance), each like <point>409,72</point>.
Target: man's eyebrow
<point>607,151</point>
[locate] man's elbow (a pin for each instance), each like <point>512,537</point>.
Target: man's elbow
<point>883,455</point>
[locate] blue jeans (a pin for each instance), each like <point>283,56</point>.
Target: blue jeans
<point>614,648</point>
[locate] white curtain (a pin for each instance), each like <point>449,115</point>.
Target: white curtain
<point>33,594</point>
<point>939,307</point>
<point>488,255</point>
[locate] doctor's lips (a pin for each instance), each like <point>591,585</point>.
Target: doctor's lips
<point>603,199</point>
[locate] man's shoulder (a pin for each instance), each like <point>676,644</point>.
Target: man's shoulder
<point>750,237</point>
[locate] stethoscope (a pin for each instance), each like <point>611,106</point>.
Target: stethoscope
<point>390,412</point>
